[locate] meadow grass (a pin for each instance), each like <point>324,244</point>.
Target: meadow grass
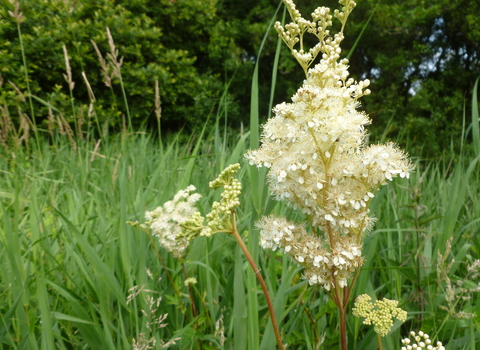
<point>70,260</point>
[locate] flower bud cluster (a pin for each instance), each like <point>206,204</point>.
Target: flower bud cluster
<point>348,6</point>
<point>190,281</point>
<point>420,341</point>
<point>220,217</point>
<point>294,31</point>
<point>165,221</point>
<point>322,19</point>
<point>232,188</point>
<point>316,152</point>
<point>380,314</point>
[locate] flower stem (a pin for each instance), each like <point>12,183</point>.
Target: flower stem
<point>343,327</point>
<point>182,307</point>
<point>260,279</point>
<point>379,340</point>
<point>194,309</point>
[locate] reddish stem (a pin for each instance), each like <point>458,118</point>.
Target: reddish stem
<point>260,279</point>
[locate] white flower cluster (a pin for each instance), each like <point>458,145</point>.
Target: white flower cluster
<point>315,148</point>
<point>420,341</point>
<point>165,221</point>
<point>307,250</point>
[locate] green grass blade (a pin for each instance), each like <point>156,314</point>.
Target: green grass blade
<point>103,272</point>
<point>350,52</point>
<point>475,119</point>
<point>239,304</point>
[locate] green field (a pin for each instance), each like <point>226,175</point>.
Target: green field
<point>70,261</point>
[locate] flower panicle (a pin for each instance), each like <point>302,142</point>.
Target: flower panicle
<point>316,152</point>
<point>307,250</point>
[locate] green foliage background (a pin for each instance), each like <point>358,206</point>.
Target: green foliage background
<point>422,57</point>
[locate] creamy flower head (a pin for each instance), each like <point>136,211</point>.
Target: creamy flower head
<point>321,263</point>
<point>165,221</point>
<point>315,149</point>
<point>316,146</point>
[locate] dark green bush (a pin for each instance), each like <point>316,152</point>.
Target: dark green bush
<point>143,38</point>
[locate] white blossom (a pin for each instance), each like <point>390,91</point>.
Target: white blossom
<point>316,151</point>
<point>164,222</point>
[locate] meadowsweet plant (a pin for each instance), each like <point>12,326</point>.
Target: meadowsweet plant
<point>163,225</point>
<point>222,218</point>
<point>318,159</point>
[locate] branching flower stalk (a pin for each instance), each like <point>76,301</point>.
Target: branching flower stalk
<point>222,218</point>
<point>316,151</point>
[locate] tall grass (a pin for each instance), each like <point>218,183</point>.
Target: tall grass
<point>76,276</point>
<point>70,260</point>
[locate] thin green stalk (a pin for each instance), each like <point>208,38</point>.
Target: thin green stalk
<point>194,308</point>
<point>125,101</point>
<point>24,60</point>
<point>343,326</point>
<point>19,18</point>
<point>182,307</point>
<point>379,340</point>
<point>340,298</point>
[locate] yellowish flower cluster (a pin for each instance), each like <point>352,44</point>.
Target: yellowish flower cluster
<point>165,221</point>
<point>420,341</point>
<point>189,281</point>
<point>220,218</point>
<point>380,314</point>
<point>315,147</point>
